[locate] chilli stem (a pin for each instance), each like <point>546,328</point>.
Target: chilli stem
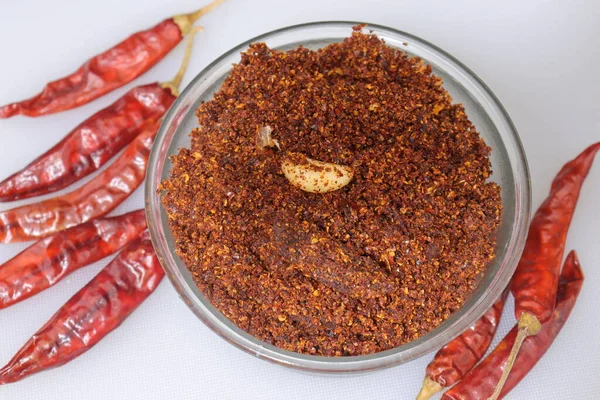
<point>174,83</point>
<point>185,21</point>
<point>529,325</point>
<point>430,387</point>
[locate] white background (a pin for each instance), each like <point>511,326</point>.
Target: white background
<point>541,58</point>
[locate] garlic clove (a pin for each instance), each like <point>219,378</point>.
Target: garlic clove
<point>316,176</point>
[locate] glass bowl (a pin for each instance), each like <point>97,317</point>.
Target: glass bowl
<point>484,110</point>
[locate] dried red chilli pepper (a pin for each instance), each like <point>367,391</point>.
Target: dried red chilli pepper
<point>94,199</point>
<point>77,156</point>
<point>97,309</point>
<point>459,356</point>
<point>97,197</point>
<point>534,283</point>
<point>111,69</point>
<point>51,259</point>
<point>481,381</point>
<point>91,144</point>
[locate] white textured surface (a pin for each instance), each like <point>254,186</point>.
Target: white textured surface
<point>539,57</point>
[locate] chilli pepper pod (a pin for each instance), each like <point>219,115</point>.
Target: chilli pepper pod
<point>534,283</point>
<point>481,381</point>
<point>95,141</point>
<point>111,69</point>
<point>97,197</point>
<point>51,259</point>
<point>91,314</point>
<point>459,356</point>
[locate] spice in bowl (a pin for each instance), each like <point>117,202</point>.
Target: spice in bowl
<point>334,202</point>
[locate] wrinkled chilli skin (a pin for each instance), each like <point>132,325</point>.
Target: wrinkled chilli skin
<point>97,309</point>
<point>91,144</point>
<point>103,73</point>
<point>51,259</point>
<point>460,355</point>
<point>479,384</point>
<point>535,281</point>
<point>97,197</point>
<point>110,69</point>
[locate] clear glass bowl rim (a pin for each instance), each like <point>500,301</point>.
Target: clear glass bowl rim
<point>455,325</point>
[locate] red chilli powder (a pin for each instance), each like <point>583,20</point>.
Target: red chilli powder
<point>368,267</point>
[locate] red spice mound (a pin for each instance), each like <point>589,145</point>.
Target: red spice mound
<point>362,269</point>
